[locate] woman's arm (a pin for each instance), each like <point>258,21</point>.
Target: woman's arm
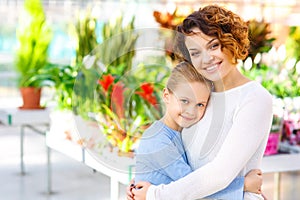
<point>252,183</point>
<point>251,125</point>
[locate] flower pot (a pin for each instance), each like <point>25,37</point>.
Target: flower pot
<point>31,98</point>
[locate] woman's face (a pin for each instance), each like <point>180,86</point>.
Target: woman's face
<point>207,57</point>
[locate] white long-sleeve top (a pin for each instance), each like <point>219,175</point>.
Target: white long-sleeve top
<point>228,141</point>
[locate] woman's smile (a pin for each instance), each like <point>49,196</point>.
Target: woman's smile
<point>213,68</point>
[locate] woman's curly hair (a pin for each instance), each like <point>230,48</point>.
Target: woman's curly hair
<point>218,22</point>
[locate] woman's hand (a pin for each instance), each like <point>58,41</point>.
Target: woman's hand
<point>253,181</point>
<point>140,190</point>
<point>129,188</point>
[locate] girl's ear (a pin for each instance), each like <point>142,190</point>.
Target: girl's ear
<point>166,95</point>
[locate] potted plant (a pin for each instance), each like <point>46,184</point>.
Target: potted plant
<point>260,38</point>
<point>34,36</point>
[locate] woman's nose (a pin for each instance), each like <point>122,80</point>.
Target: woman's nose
<point>206,57</point>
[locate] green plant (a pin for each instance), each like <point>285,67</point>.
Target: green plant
<point>113,56</point>
<point>62,78</point>
<point>259,35</point>
<point>276,124</point>
<point>293,43</point>
<point>117,50</point>
<point>84,33</point>
<point>34,36</point>
<point>280,82</point>
<point>127,106</point>
<point>169,21</point>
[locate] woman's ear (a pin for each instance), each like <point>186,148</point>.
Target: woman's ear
<point>166,95</point>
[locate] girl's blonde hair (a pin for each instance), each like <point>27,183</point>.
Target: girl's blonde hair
<point>184,72</point>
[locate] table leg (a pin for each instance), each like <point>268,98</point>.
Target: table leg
<point>22,150</point>
<point>277,177</point>
<point>114,189</point>
<point>49,171</point>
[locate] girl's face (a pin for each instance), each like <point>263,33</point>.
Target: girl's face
<point>207,57</point>
<point>186,105</point>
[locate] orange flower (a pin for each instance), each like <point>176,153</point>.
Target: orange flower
<point>106,81</point>
<point>147,93</point>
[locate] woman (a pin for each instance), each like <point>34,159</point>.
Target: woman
<point>230,139</point>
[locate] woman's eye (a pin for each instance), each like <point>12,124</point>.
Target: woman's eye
<point>214,46</point>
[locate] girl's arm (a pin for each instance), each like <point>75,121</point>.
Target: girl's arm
<point>251,126</point>
<point>164,164</point>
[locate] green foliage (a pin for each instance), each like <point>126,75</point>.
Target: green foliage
<point>279,82</point>
<point>84,33</point>
<point>34,36</point>
<point>259,35</point>
<point>276,123</point>
<point>117,49</point>
<point>293,43</point>
<point>113,56</point>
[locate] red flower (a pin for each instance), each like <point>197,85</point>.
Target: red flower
<point>147,93</point>
<point>106,81</point>
<point>117,99</point>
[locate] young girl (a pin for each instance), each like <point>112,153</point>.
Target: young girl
<point>161,157</point>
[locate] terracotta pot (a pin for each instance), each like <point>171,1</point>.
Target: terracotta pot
<point>31,98</point>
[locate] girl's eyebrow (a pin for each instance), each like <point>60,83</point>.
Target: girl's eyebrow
<point>193,49</point>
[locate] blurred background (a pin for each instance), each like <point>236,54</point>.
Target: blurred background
<point>56,44</point>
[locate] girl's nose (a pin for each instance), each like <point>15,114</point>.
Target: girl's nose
<point>191,111</point>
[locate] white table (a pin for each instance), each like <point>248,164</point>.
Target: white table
<point>84,156</point>
<point>280,163</point>
<point>31,119</point>
<point>56,139</point>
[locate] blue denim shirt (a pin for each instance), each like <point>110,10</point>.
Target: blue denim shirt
<point>161,159</point>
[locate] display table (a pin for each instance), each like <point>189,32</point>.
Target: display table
<point>31,119</point>
<point>35,120</point>
<point>84,156</point>
<point>63,137</point>
<point>280,163</point>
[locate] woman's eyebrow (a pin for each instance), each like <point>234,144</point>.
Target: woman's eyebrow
<point>211,41</point>
<point>208,43</point>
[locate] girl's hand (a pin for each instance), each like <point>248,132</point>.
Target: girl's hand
<point>253,181</point>
<point>130,195</point>
<point>140,190</point>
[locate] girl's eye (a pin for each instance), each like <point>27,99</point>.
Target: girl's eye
<point>184,101</point>
<point>194,54</point>
<point>200,105</point>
